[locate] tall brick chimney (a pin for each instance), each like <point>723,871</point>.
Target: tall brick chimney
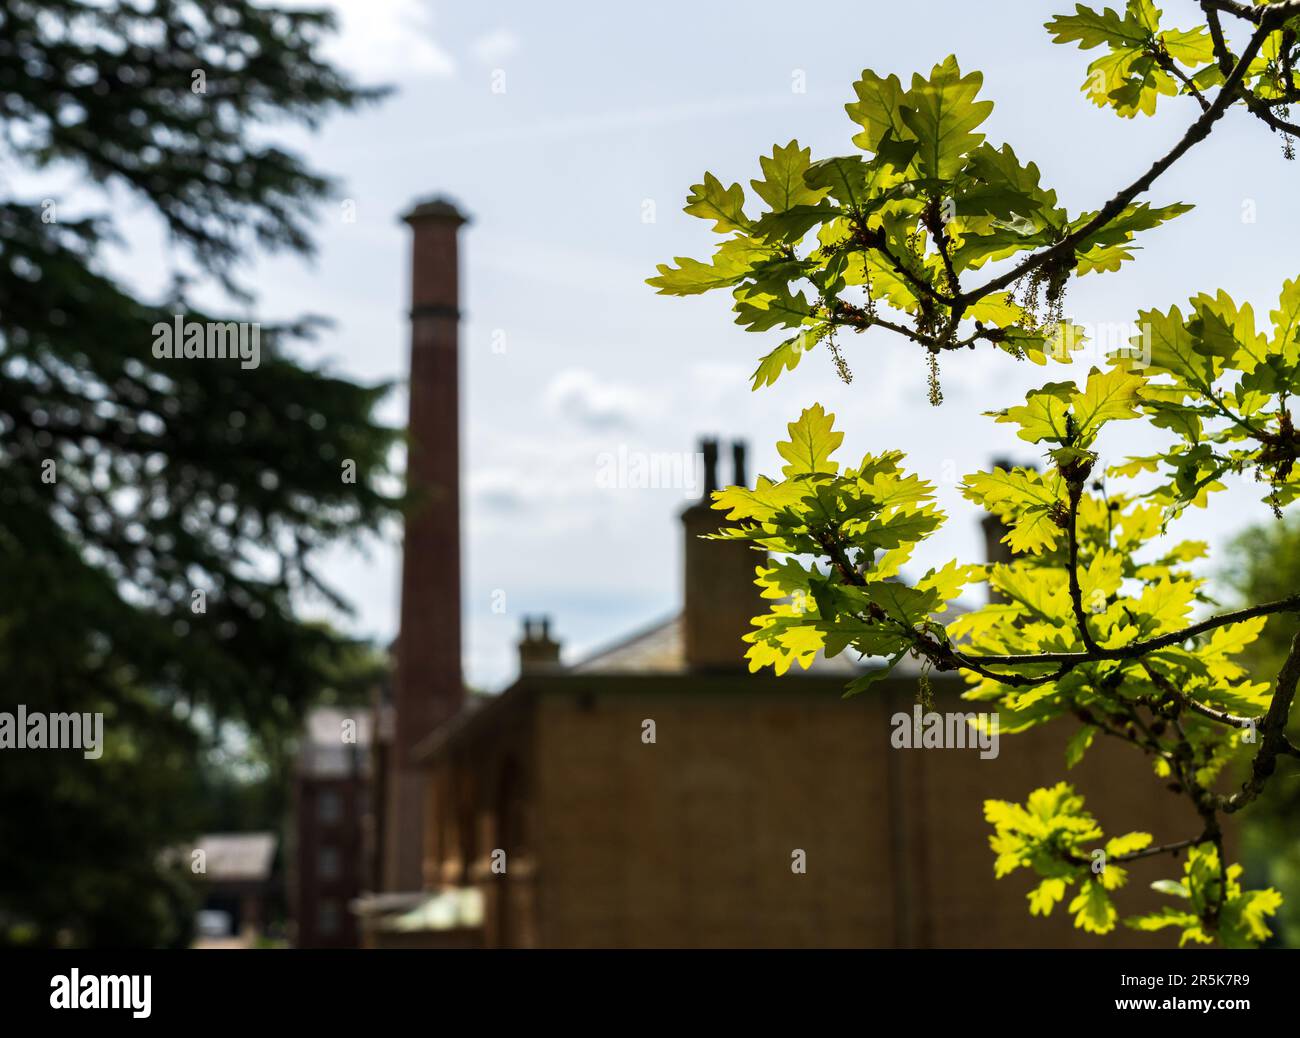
<point>720,594</point>
<point>428,687</point>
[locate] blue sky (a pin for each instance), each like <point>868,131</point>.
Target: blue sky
<point>609,114</point>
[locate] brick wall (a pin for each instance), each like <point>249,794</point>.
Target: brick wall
<point>688,842</point>
<point>329,815</point>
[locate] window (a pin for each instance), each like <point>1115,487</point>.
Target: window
<point>328,864</point>
<point>329,807</point>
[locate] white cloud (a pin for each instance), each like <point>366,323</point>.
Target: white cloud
<point>578,395</point>
<point>501,491</point>
<point>495,47</point>
<point>382,39</point>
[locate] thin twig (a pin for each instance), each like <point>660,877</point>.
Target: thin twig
<point>1165,60</point>
<point>1135,649</point>
<point>1164,848</point>
<point>1076,595</point>
<point>1197,132</point>
<point>1183,699</point>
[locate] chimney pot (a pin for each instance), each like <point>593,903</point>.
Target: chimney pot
<point>439,207</point>
<point>709,449</point>
<point>720,595</point>
<point>537,650</point>
<point>738,462</point>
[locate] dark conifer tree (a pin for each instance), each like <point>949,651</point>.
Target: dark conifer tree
<point>159,518</point>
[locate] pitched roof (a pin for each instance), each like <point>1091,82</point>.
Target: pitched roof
<point>660,649</point>
<point>235,857</point>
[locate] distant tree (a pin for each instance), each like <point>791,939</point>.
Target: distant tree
<point>1264,564</point>
<point>159,516</point>
<point>246,778</point>
<point>943,240</point>
<point>247,775</point>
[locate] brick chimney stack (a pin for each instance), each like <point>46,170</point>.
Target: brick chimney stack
<point>720,594</point>
<point>538,651</point>
<point>428,688</point>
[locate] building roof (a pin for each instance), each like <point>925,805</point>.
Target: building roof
<point>336,741</point>
<point>650,653</point>
<point>660,649</point>
<point>656,649</point>
<point>237,857</point>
